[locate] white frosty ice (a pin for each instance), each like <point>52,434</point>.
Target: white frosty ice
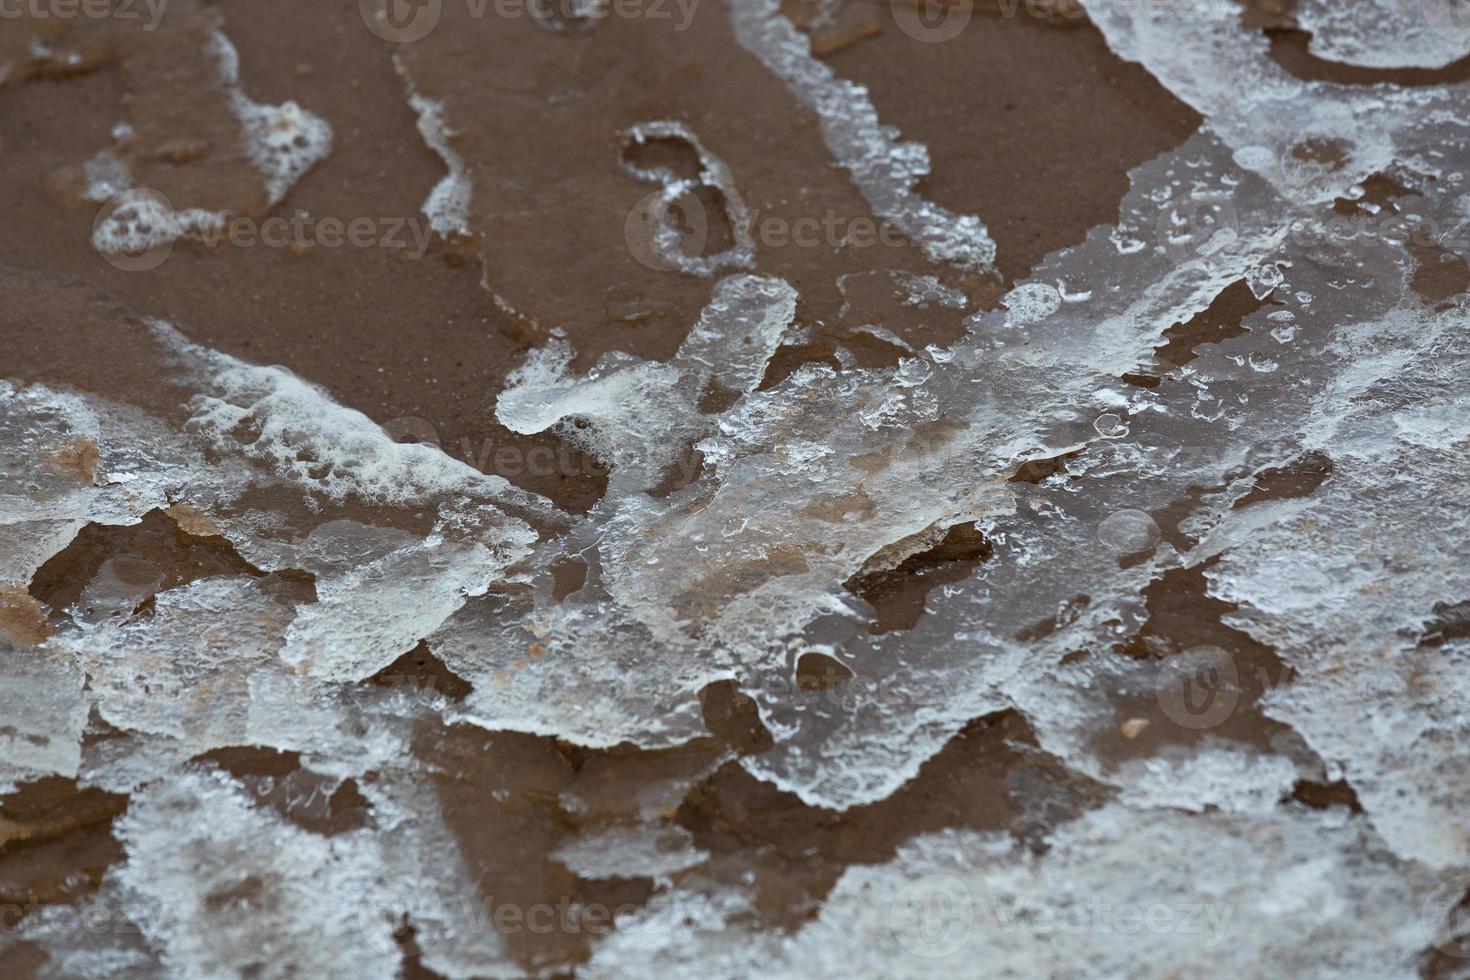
<point>448,204</point>
<point>1387,33</point>
<point>884,169</point>
<point>282,141</point>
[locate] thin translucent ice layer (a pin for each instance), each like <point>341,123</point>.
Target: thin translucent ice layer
<point>884,169</point>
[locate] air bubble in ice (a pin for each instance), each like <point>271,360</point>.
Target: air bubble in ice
<point>1257,158</point>
<point>1264,278</point>
<point>1127,532</point>
<point>1081,296</point>
<point>1030,302</point>
<point>1110,426</point>
<point>1125,244</point>
<point>912,371</point>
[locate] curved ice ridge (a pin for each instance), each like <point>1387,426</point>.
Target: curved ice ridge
<point>448,204</point>
<point>884,169</point>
